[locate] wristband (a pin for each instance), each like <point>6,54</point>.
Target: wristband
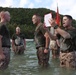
<point>56,26</point>
<point>47,48</point>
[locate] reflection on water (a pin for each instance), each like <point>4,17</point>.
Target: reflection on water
<point>26,64</point>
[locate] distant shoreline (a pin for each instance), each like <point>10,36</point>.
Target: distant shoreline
<point>29,39</point>
<point>25,39</point>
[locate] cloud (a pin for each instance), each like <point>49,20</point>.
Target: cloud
<point>65,7</point>
<point>38,1</point>
<point>31,5</point>
<point>6,3</point>
<point>23,3</point>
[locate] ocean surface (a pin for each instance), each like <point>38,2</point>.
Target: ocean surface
<point>27,64</point>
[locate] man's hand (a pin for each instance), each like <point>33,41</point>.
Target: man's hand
<point>2,56</point>
<point>52,22</point>
<point>45,51</point>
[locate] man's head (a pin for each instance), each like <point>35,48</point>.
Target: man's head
<point>5,16</point>
<point>36,19</point>
<point>17,30</point>
<point>67,20</point>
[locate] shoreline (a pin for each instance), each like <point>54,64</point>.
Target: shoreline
<point>25,39</point>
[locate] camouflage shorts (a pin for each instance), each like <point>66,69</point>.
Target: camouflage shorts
<point>4,63</point>
<point>43,58</point>
<point>68,59</point>
<point>19,49</point>
<point>55,52</point>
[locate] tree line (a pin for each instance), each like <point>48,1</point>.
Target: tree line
<point>22,17</point>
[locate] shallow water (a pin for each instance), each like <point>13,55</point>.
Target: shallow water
<point>26,64</point>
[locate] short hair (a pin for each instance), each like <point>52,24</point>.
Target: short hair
<point>38,15</point>
<point>7,13</point>
<point>18,27</point>
<point>68,16</point>
<point>4,13</point>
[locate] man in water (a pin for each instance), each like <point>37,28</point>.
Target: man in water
<point>42,41</point>
<point>4,40</point>
<point>18,42</point>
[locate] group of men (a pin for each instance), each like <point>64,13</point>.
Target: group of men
<point>65,39</point>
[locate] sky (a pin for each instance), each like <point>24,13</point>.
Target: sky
<point>65,6</point>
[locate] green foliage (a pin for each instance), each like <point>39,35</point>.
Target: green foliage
<point>23,17</point>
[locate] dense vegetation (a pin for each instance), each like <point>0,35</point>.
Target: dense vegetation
<point>22,17</point>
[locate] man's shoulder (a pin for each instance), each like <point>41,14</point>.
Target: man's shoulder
<point>74,30</point>
<point>39,24</point>
<point>22,35</point>
<point>38,27</point>
<point>14,35</point>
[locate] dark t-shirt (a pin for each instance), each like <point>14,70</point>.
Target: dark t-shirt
<point>19,39</point>
<point>5,36</point>
<point>69,43</point>
<point>39,35</point>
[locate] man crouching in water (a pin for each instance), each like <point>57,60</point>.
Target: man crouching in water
<point>4,40</point>
<point>42,41</point>
<point>18,42</point>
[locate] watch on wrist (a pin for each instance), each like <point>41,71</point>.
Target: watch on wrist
<point>56,26</point>
<point>47,48</point>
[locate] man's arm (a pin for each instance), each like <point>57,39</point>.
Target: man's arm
<point>24,40</point>
<point>13,45</point>
<point>2,56</point>
<point>60,31</point>
<point>51,35</point>
<point>25,43</point>
<point>63,33</point>
<point>1,51</point>
<point>47,40</point>
<point>47,43</point>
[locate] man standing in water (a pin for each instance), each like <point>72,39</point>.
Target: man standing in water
<point>18,42</point>
<point>42,41</point>
<point>67,38</point>
<point>4,40</point>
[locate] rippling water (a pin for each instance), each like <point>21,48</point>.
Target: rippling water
<point>27,64</point>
